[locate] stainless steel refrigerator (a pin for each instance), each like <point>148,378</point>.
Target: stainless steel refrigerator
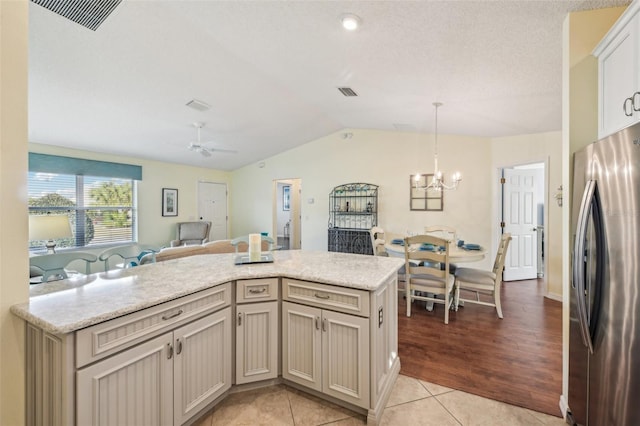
<point>604,343</point>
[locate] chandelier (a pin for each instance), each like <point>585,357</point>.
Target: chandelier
<point>437,182</point>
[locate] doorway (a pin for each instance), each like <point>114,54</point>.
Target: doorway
<point>523,216</point>
<point>286,213</point>
<point>212,207</point>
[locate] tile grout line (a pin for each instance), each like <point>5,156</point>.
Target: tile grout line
<point>446,409</point>
<point>293,419</point>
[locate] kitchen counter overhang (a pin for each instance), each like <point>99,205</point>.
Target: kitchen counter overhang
<point>61,307</point>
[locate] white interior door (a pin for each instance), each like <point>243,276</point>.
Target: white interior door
<point>520,214</point>
<point>212,207</point>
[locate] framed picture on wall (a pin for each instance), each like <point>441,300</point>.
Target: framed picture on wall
<point>286,198</point>
<point>169,202</point>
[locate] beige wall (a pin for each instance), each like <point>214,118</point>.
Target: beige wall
<point>13,220</point>
<point>387,159</point>
<point>546,148</point>
<point>154,228</point>
<point>582,32</point>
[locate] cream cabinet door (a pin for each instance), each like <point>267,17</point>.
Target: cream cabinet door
<point>618,80</point>
<point>202,364</point>
<point>345,357</point>
<point>134,387</point>
<point>301,345</point>
<point>326,351</point>
<point>256,342</point>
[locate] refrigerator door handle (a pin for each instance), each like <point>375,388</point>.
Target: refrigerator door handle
<point>578,262</point>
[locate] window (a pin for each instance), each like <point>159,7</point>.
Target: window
<point>101,209</point>
<point>424,199</point>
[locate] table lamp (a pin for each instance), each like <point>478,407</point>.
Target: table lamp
<point>48,228</point>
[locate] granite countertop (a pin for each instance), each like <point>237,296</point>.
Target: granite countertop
<point>65,306</point>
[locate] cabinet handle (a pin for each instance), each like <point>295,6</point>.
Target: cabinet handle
<point>239,319</point>
<point>179,346</point>
<point>322,296</point>
<point>317,323</point>
<point>635,102</point>
<point>324,324</point>
<point>628,112</point>
<point>254,291</point>
<point>169,351</point>
<point>173,315</point>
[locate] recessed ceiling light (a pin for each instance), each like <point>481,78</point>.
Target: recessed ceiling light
<point>350,22</point>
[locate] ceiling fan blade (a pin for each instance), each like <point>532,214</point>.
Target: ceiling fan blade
<point>227,151</point>
<point>204,151</point>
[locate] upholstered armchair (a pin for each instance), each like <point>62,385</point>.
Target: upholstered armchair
<point>190,233</point>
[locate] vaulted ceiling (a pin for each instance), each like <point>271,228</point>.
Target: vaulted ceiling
<point>270,72</point>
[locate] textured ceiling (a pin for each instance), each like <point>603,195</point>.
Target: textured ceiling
<point>270,71</point>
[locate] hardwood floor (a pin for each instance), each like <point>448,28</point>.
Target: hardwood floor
<point>517,360</point>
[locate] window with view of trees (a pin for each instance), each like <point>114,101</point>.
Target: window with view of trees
<point>101,209</point>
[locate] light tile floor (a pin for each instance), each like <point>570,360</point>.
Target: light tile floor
<point>412,402</point>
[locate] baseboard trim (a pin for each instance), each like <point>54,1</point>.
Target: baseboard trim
<point>564,407</point>
<point>554,296</point>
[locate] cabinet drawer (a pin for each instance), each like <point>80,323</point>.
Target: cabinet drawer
<point>257,290</point>
<point>96,342</point>
<point>341,299</point>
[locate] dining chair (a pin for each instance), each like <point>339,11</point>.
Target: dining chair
<point>442,231</point>
<point>378,241</point>
<point>53,265</point>
<point>484,282</point>
<point>126,256</point>
<point>446,232</point>
<point>427,279</point>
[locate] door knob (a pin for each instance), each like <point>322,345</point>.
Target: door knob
<point>534,229</point>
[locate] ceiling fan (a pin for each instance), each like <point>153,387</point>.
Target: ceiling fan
<point>200,147</point>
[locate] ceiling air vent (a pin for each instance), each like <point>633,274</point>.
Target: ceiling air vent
<point>88,13</point>
<point>198,105</point>
<point>347,91</point>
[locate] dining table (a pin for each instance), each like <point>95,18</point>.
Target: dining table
<point>456,254</point>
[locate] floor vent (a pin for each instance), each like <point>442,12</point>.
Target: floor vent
<point>347,91</point>
<point>88,13</point>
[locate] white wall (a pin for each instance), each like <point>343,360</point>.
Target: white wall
<point>379,157</point>
<point>547,148</point>
<point>13,198</point>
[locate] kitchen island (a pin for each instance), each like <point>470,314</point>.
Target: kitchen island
<point>163,343</point>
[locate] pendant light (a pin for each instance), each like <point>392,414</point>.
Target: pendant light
<point>437,182</point>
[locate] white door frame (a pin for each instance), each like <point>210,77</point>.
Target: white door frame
<point>497,214</point>
<point>295,241</point>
